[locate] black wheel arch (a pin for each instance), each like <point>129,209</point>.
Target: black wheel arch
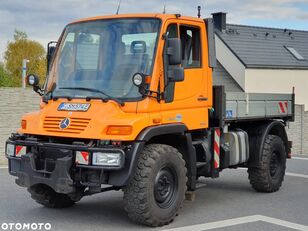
<point>172,134</point>
<point>257,134</point>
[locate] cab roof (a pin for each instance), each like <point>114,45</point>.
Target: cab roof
<point>147,15</point>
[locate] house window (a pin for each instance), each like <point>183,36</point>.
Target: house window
<point>295,53</point>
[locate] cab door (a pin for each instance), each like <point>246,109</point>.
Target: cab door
<point>188,101</point>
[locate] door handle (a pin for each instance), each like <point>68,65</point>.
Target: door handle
<point>202,99</point>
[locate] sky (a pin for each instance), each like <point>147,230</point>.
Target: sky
<point>44,20</point>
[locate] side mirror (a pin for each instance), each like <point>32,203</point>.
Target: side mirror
<point>174,51</point>
<point>51,47</point>
<point>176,74</point>
<point>33,81</point>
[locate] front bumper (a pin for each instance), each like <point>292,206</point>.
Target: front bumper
<point>27,174</point>
<point>53,164</point>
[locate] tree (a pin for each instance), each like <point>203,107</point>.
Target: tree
<point>5,80</point>
<point>19,35</point>
<point>24,48</point>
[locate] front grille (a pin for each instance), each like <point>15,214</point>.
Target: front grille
<point>77,125</point>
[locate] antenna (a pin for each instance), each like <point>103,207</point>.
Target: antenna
<point>164,11</point>
<point>199,11</point>
<point>118,9</point>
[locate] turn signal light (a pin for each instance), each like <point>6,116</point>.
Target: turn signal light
<point>24,124</point>
<point>119,130</point>
<point>148,79</point>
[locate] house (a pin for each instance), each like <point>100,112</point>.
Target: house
<point>260,59</point>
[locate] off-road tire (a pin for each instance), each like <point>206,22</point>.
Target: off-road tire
<point>141,193</point>
<point>263,178</point>
<point>47,197</point>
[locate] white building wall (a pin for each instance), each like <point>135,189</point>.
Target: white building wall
<point>278,81</point>
<point>230,62</point>
<point>222,77</point>
<point>267,81</point>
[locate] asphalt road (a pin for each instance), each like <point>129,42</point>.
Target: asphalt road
<point>226,203</point>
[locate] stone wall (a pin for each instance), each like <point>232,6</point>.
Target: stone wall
<point>295,130</point>
<point>14,102</point>
<point>305,133</point>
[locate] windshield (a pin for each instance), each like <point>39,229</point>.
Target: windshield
<point>99,58</point>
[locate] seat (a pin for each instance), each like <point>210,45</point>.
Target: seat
<point>129,64</point>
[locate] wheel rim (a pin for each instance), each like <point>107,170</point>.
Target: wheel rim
<point>166,186</point>
<point>274,164</point>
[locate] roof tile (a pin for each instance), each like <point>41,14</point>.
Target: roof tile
<point>262,47</point>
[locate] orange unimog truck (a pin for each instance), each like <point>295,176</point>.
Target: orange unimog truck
<point>129,104</point>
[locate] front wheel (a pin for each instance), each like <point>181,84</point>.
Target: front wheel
<point>47,197</point>
<point>269,174</point>
<point>156,192</point>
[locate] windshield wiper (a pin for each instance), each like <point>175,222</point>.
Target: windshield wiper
<point>98,91</point>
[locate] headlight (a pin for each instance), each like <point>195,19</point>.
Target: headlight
<point>138,79</point>
<point>107,159</point>
<point>10,149</point>
<point>15,150</point>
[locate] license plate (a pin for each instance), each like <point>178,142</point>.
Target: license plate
<point>74,107</point>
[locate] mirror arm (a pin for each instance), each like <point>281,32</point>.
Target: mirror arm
<point>158,95</point>
<point>38,90</point>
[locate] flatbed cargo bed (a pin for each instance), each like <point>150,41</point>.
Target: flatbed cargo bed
<point>242,105</point>
<point>238,106</point>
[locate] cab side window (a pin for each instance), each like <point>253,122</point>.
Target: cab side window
<point>191,47</point>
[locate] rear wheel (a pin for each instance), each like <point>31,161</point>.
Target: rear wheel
<point>47,197</point>
<point>269,175</point>
<point>157,190</point>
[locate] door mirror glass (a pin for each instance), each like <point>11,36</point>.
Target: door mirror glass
<point>174,51</point>
<point>176,74</point>
<point>51,47</point>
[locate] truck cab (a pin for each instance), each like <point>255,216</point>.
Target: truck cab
<point>128,103</point>
<point>96,60</point>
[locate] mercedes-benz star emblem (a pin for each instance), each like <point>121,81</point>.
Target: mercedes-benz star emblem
<point>64,123</point>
